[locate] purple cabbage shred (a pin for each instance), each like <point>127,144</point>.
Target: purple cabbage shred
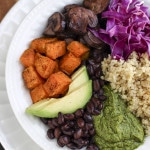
<point>127,28</point>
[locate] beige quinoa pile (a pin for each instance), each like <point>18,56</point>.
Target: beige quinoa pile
<point>131,79</point>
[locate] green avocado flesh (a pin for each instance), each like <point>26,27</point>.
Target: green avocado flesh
<point>79,78</point>
<point>116,127</point>
<point>79,93</point>
<point>79,71</point>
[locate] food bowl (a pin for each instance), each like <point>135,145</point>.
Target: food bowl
<point>32,27</point>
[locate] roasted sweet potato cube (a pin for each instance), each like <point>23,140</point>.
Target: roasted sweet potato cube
<point>38,93</point>
<point>31,77</point>
<point>56,66</point>
<point>57,84</point>
<point>39,44</point>
<point>55,49</point>
<point>77,48</point>
<point>69,63</point>
<point>27,58</point>
<point>44,65</point>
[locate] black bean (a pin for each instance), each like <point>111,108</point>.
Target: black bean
<point>92,147</point>
<point>79,113</point>
<point>95,95</point>
<point>90,70</point>
<point>50,133</point>
<point>100,106</point>
<point>96,85</point>
<point>66,126</point>
<point>92,131</point>
<point>93,78</point>
<point>102,82</point>
<point>95,101</point>
<point>102,97</point>
<point>81,142</point>
<point>60,118</point>
<point>55,122</point>
<point>90,107</point>
<point>69,132</point>
<point>80,122</point>
<point>72,146</point>
<point>87,117</point>
<point>98,60</point>
<point>91,61</point>
<point>96,112</point>
<point>96,67</point>
<point>64,139</point>
<point>57,132</point>
<point>71,123</point>
<point>50,124</point>
<point>101,92</point>
<point>88,126</point>
<point>84,142</point>
<point>97,73</point>
<point>77,141</point>
<point>96,53</point>
<point>69,116</point>
<point>78,133</point>
<point>86,134</point>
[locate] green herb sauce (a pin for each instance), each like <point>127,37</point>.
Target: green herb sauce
<point>116,127</point>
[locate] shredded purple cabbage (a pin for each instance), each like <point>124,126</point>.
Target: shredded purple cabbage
<point>127,28</point>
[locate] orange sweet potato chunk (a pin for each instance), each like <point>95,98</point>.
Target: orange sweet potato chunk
<point>31,77</point>
<point>77,48</point>
<point>55,49</point>
<point>44,65</point>
<point>57,84</point>
<point>56,66</point>
<point>38,93</point>
<point>69,63</point>
<point>40,43</point>
<point>27,58</point>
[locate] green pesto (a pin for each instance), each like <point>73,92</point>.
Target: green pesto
<point>116,127</point>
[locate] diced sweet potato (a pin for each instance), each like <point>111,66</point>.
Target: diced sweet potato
<point>55,49</point>
<point>31,77</point>
<point>27,58</point>
<point>77,48</point>
<point>40,43</point>
<point>69,63</point>
<point>38,93</point>
<point>56,66</point>
<point>44,65</point>
<point>57,84</point>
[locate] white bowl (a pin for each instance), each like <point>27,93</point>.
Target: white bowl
<point>31,28</point>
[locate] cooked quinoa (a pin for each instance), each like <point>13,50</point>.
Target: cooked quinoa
<point>131,79</point>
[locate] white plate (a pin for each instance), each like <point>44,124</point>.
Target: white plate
<point>12,136</point>
<point>31,28</point>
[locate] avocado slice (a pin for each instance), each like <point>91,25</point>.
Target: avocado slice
<point>80,78</point>
<point>81,69</point>
<point>67,104</point>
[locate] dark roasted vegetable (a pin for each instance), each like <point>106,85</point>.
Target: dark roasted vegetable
<point>80,18</point>
<point>56,24</point>
<point>92,40</point>
<point>96,6</point>
<point>68,7</point>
